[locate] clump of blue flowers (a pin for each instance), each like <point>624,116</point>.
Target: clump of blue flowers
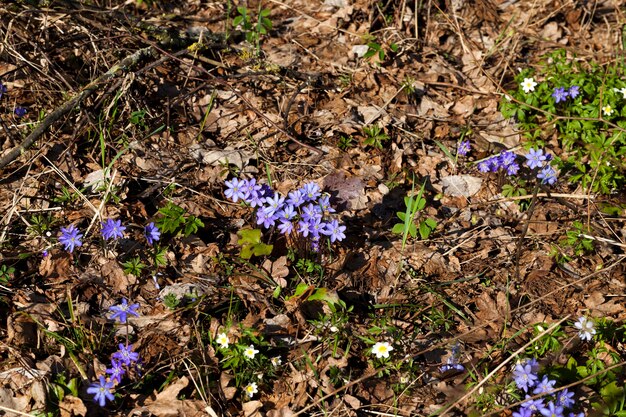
<point>121,361</point>
<point>304,212</point>
<point>561,94</point>
<point>551,404</point>
<point>505,161</point>
<point>540,164</point>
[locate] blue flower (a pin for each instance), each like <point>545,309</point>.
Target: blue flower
<point>70,238</point>
<point>274,204</point>
<point>116,371</point>
<point>483,166</point>
<point>296,198</point>
<point>552,410</point>
<point>252,190</point>
<point>285,227</point>
<point>311,212</point>
<point>101,391</point>
<point>235,190</point>
<point>151,232</point>
<point>324,203</point>
<point>524,377</point>
<point>463,148</point>
<point>544,386</point>
<point>506,158</point>
<point>512,169</point>
<point>286,214</point>
<point>522,412</point>
<point>121,312</point>
<point>20,111</point>
<point>565,398</point>
<point>533,405</point>
<point>547,175</point>
<point>334,231</point>
<point>264,217</point>
<point>126,355</point>
<point>311,191</point>
<point>559,94</point>
<point>535,158</point>
<point>112,229</point>
<point>3,89</point>
<point>573,91</point>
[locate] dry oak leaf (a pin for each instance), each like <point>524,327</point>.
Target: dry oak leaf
<point>252,409</point>
<point>167,403</point>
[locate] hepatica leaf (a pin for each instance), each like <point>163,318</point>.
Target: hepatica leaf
<point>250,242</point>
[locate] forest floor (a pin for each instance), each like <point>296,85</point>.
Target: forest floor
<point>145,112</point>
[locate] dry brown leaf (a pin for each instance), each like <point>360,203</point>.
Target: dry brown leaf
<point>252,409</point>
<point>71,406</point>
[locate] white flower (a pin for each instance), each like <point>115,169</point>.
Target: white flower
<point>250,352</point>
<point>528,85</point>
<point>276,361</point>
<point>585,328</point>
<point>621,90</point>
<point>222,340</point>
<point>381,350</point>
<point>251,389</point>
<point>607,110</point>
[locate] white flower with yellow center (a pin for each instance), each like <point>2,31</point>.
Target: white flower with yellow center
<point>276,361</point>
<point>607,110</point>
<point>250,352</point>
<point>251,389</point>
<point>528,85</point>
<point>222,340</point>
<point>381,350</point>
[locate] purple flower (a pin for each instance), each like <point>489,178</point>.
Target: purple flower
<point>512,169</point>
<point>311,191</point>
<point>552,410</point>
<point>296,198</point>
<point>534,365</point>
<point>20,111</point>
<point>252,190</point>
<point>235,190</point>
<point>112,229</point>
<point>311,212</point>
<point>70,238</point>
<point>116,371</point>
<point>545,386</point>
<point>524,376</point>
<point>334,231</point>
<point>547,175</point>
<point>287,213</point>
<point>494,164</point>
<point>274,204</point>
<point>535,158</point>
<point>101,391</point>
<point>483,166</point>
<point>559,94</point>
<point>533,405</point>
<point>3,89</point>
<point>303,228</point>
<point>264,217</point>
<point>506,158</point>
<point>126,355</point>
<point>522,412</point>
<point>151,232</point>
<point>573,91</point>
<point>463,148</point>
<point>285,227</point>
<point>121,312</point>
<point>44,254</point>
<point>324,204</point>
<point>565,398</point>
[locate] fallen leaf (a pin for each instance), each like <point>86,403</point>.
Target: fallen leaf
<point>461,185</point>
